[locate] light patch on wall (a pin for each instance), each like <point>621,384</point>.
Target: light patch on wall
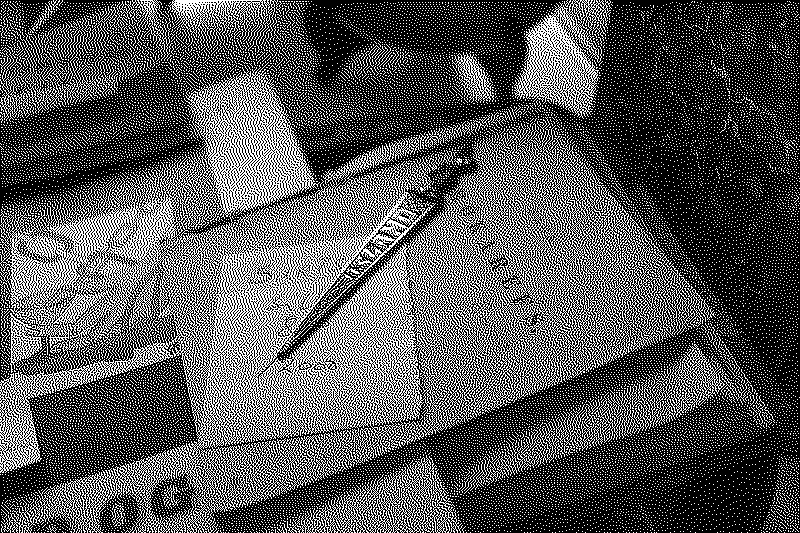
<point>476,86</point>
<point>194,10</point>
<point>557,70</point>
<point>251,147</point>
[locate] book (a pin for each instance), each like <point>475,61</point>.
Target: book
<point>641,391</point>
<point>531,471</point>
<point>400,492</point>
<point>85,303</point>
<point>159,493</point>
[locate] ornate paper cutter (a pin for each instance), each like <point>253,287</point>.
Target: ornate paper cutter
<point>410,212</point>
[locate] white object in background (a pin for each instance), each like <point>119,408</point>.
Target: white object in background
<point>781,518</point>
<point>587,22</point>
<point>358,370</point>
<point>556,69</point>
<point>251,147</point>
<point>18,446</point>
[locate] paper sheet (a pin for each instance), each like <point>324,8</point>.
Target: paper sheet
<point>408,498</point>
<point>75,298</point>
<point>358,370</point>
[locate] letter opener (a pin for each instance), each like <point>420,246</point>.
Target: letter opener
<point>412,210</point>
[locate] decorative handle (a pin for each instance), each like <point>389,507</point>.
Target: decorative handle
<point>410,211</point>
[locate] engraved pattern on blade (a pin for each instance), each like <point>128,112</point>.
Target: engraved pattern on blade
<point>340,287</point>
<point>406,214</point>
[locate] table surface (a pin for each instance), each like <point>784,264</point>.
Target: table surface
<point>239,463</point>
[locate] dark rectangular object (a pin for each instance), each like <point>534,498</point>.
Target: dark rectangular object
<point>113,421</point>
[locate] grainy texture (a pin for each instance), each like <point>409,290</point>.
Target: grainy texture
<point>699,102</point>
